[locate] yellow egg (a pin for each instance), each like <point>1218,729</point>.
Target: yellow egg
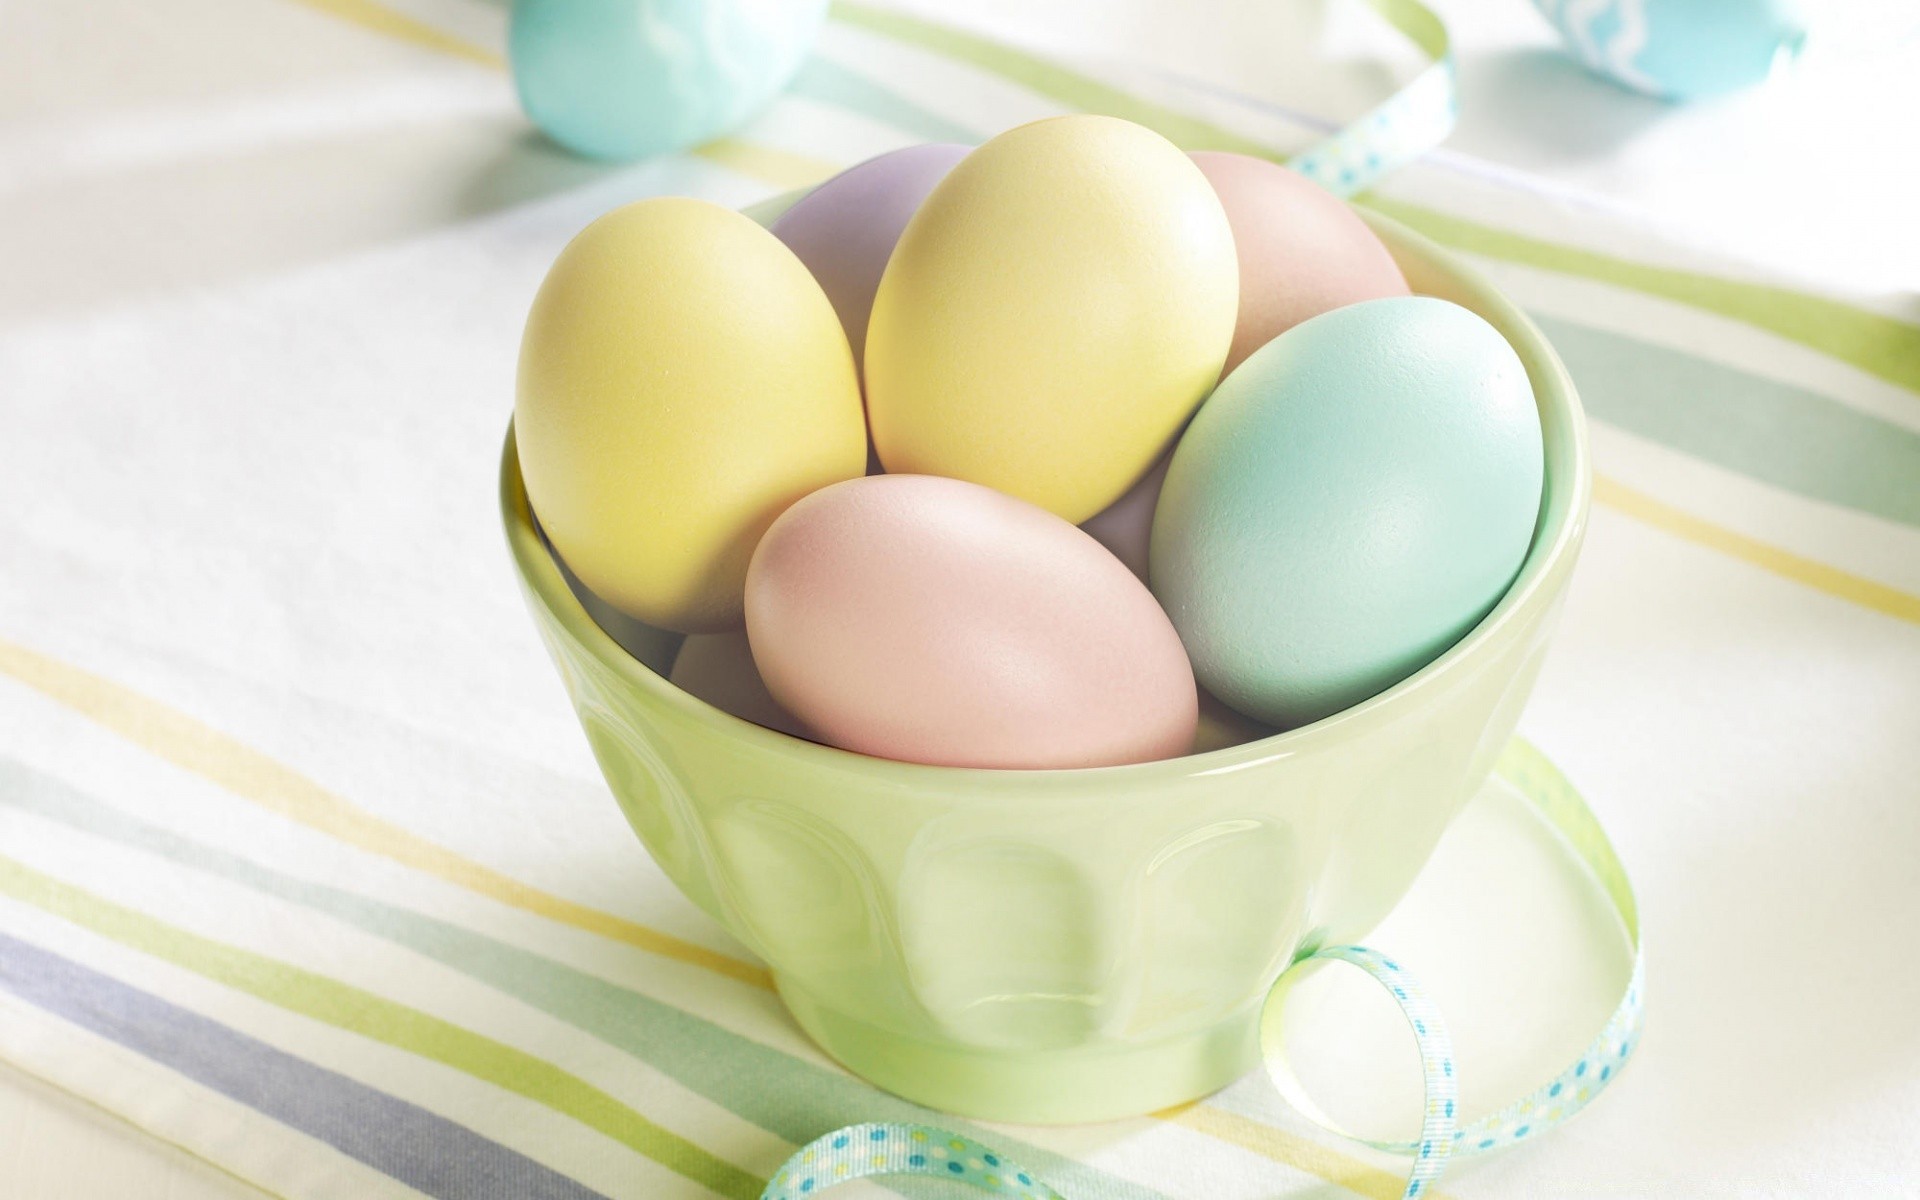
<point>1054,311</point>
<point>682,380</point>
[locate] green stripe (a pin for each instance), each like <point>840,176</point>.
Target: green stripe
<point>790,1098</point>
<point>1786,436</point>
<point>1877,344</point>
<point>1783,435</point>
<point>349,1008</point>
<point>1046,78</point>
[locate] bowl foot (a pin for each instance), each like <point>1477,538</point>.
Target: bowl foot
<point>1097,1082</point>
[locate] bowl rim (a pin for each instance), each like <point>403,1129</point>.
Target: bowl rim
<point>1565,499</point>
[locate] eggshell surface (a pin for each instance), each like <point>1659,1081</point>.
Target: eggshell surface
<point>718,668</point>
<point>937,621</point>
<point>845,229</point>
<point>1302,250</point>
<point>1124,526</point>
<point>682,380</point>
<point>1054,311</point>
<point>1347,505</point>
<point>1685,49</point>
<point>624,79</point>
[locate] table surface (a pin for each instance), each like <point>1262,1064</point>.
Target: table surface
<point>1813,176</point>
<point>1816,177</point>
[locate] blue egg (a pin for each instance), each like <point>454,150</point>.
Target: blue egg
<point>624,79</point>
<point>1681,49</point>
<point>1348,503</point>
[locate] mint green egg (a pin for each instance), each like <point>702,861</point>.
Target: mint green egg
<point>625,79</point>
<point>1348,503</point>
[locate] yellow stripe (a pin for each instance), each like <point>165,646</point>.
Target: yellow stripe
<point>1817,575</point>
<point>781,168</point>
<point>193,746</point>
<point>190,744</point>
<point>368,14</point>
<point>1360,1178</point>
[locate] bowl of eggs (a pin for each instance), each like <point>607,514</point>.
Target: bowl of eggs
<point>1032,594</point>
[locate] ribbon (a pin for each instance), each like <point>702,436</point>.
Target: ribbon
<point>1405,126</point>
<point>862,1151</point>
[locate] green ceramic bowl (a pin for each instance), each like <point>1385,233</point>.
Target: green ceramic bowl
<point>1059,946</point>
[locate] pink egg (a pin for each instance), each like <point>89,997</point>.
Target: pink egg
<point>1302,250</point>
<point>718,668</point>
<point>845,229</point>
<point>937,621</point>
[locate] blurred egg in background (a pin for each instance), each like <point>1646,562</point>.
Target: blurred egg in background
<point>1681,49</point>
<point>625,79</point>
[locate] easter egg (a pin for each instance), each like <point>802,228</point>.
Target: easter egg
<point>624,79</point>
<point>1054,311</point>
<point>845,229</point>
<point>937,621</point>
<point>1347,505</point>
<point>1302,250</point>
<point>1124,526</point>
<point>682,380</point>
<point>1681,49</point>
<point>718,668</point>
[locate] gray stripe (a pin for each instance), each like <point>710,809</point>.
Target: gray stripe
<point>1778,433</point>
<point>786,1096</point>
<point>414,1146</point>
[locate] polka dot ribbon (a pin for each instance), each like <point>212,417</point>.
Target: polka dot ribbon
<point>861,1151</point>
<point>1405,126</point>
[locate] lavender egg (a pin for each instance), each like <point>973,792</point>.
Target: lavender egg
<point>845,229</point>
<point>1123,526</point>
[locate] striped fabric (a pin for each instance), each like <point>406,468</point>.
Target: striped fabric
<point>304,867</point>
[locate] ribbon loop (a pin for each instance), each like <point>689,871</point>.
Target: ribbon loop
<point>1438,1134</point>
<point>865,1151</point>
